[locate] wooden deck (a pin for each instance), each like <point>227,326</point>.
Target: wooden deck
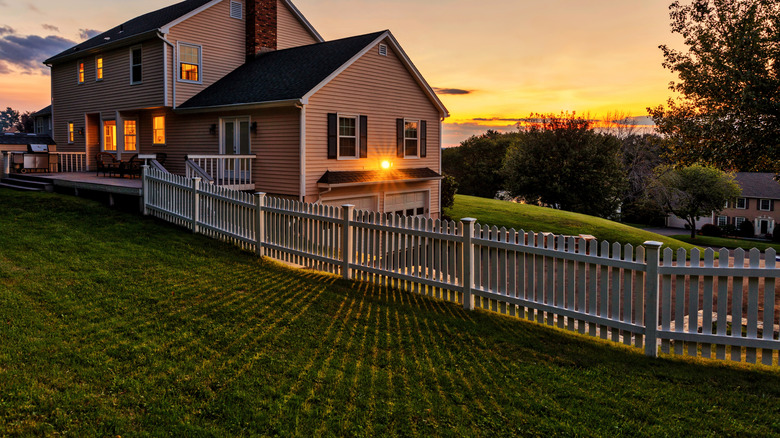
<point>89,181</point>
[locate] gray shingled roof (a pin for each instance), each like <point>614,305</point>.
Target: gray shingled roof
<point>281,75</point>
<point>43,112</point>
<point>758,185</point>
<point>21,138</point>
<point>372,176</point>
<point>137,26</point>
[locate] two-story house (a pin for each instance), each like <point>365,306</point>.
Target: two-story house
<point>760,193</point>
<point>343,121</point>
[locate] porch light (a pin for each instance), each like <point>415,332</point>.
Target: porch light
<point>81,131</point>
<point>386,164</point>
<point>213,129</point>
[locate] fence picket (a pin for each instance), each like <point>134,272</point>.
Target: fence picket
<point>736,306</point>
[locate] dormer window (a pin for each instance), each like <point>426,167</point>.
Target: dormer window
<point>190,63</point>
<point>236,10</point>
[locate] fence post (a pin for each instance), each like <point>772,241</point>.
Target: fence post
<point>259,223</point>
<point>468,262</point>
<point>653,255</point>
<point>195,204</point>
<point>145,187</point>
<point>346,240</point>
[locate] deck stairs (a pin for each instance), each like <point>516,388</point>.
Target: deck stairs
<point>28,183</point>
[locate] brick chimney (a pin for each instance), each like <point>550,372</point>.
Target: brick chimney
<point>260,27</point>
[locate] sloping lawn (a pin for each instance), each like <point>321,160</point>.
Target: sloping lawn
<point>118,325</point>
<point>540,219</point>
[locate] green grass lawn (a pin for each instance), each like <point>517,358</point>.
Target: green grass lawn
<point>725,242</point>
<point>114,324</point>
<point>540,219</point>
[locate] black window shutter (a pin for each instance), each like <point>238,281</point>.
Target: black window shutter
<point>399,123</point>
<point>423,139</point>
<point>363,136</point>
<point>747,203</point>
<point>771,205</point>
<point>332,136</point>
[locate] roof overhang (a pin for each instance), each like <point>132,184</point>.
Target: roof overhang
<point>354,178</point>
<point>240,106</point>
<point>97,49</point>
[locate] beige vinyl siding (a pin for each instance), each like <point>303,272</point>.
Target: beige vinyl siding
<point>71,100</point>
<point>222,40</point>
<point>381,88</point>
<point>275,143</point>
<point>290,31</point>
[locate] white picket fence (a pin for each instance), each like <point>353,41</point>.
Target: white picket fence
<point>616,292</point>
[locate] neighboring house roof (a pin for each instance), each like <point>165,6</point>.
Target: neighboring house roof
<point>157,21</point>
<point>44,112</point>
<point>295,74</point>
<point>357,177</point>
<point>758,185</point>
<point>22,138</point>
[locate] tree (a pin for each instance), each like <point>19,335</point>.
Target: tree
<point>476,163</point>
<point>26,123</point>
<point>693,192</point>
<point>449,187</point>
<point>8,118</point>
<point>561,161</point>
<point>641,154</point>
<point>728,113</point>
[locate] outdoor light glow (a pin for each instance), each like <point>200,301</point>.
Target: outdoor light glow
<point>386,164</point>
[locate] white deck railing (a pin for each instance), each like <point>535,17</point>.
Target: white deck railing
<point>69,161</point>
<point>232,171</point>
<point>613,291</point>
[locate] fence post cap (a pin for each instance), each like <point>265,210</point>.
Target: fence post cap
<point>143,165</point>
<point>196,178</point>
<point>653,244</point>
<point>261,194</point>
<point>348,205</point>
<point>468,219</point>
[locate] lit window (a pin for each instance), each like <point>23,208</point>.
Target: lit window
<point>81,72</point>
<point>765,205</point>
<point>131,135</point>
<point>158,129</point>
<point>71,133</point>
<point>99,68</point>
<point>411,138</point>
<point>348,137</point>
<point>136,68</point>
<point>109,135</point>
<point>189,63</point>
<point>741,203</point>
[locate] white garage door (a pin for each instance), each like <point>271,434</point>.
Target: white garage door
<point>360,203</point>
<point>407,204</point>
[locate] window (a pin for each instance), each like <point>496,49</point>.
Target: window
<point>109,135</point>
<point>99,68</point>
<point>71,133</point>
<point>81,72</point>
<point>411,139</point>
<point>738,221</point>
<point>158,129</point>
<point>131,135</point>
<point>235,10</point>
<point>136,69</point>
<point>348,137</point>
<point>189,63</point>
<point>723,221</point>
<point>741,203</point>
<point>765,205</point>
<point>39,125</point>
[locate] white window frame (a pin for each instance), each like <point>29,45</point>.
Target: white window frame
<point>416,156</point>
<point>133,65</point>
<point>744,204</point>
<point>738,221</point>
<point>165,130</point>
<point>102,69</point>
<point>768,205</point>
<point>137,130</point>
<point>103,135</point>
<point>39,125</point>
<point>426,206</point>
<point>725,220</point>
<point>236,120</point>
<point>240,9</point>
<point>71,128</point>
<point>179,45</point>
<point>338,137</point>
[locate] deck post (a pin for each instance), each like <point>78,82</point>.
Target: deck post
<point>346,240</point>
<point>653,255</point>
<point>468,261</point>
<point>195,204</point>
<point>145,188</point>
<point>259,223</point>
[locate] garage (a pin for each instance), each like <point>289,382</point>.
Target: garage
<point>360,203</point>
<point>407,204</point>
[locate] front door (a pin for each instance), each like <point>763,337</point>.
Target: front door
<point>764,226</point>
<point>235,141</point>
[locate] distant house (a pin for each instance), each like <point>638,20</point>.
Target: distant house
<point>219,85</point>
<point>760,193</point>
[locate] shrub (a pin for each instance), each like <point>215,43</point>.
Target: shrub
<point>746,229</point>
<point>448,189</point>
<point>711,230</point>
<point>729,230</point>
<point>776,233</point>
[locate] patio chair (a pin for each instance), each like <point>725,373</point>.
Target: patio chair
<point>106,163</point>
<point>131,167</point>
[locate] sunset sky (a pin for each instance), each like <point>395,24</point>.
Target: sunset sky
<point>505,58</point>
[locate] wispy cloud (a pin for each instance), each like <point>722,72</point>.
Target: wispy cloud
<point>25,53</point>
<point>86,34</point>
<point>453,91</point>
<point>50,27</point>
<point>33,8</point>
